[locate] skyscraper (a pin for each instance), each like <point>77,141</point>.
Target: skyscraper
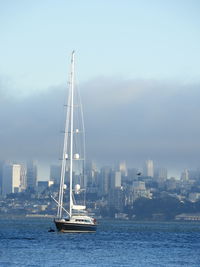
<point>104,180</point>
<point>115,179</point>
<point>185,175</point>
<point>148,169</point>
<point>11,179</point>
<point>23,181</point>
<point>123,168</point>
<point>31,175</point>
<point>55,171</point>
<point>90,173</point>
<point>162,174</point>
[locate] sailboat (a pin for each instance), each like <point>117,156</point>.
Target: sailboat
<point>76,217</point>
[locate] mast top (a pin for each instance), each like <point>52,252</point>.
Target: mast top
<point>72,60</point>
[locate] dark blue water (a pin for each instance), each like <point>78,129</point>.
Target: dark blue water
<point>27,242</point>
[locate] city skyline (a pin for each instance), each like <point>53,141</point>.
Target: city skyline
<point>148,168</point>
<point>110,191</point>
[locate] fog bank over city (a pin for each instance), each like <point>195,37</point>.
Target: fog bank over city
<point>138,68</point>
<point>130,120</point>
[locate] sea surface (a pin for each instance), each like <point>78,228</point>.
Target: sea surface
<point>27,242</point>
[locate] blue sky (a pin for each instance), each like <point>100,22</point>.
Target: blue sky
<point>133,39</point>
<point>137,60</point>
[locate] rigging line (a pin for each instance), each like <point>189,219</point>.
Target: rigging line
<point>84,150</point>
<point>59,205</point>
<point>63,166</point>
<point>74,200</point>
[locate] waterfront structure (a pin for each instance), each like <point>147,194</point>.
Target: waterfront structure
<point>188,217</point>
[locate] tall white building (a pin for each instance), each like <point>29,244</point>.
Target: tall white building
<point>139,190</point>
<point>148,169</point>
<point>11,179</point>
<point>115,180</point>
<point>123,168</point>
<point>185,175</point>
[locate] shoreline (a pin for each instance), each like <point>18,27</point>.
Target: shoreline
<point>49,216</point>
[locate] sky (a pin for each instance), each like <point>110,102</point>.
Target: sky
<point>137,67</point>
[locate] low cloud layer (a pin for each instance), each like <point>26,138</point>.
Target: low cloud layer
<point>125,119</point>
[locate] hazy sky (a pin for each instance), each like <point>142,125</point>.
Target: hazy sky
<point>138,69</point>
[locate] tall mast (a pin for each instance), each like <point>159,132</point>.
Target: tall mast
<point>71,132</point>
<point>69,116</point>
